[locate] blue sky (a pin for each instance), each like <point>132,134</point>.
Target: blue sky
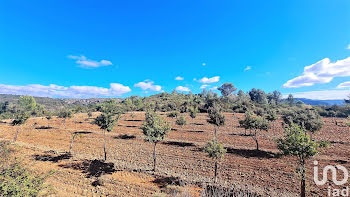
<point>122,48</point>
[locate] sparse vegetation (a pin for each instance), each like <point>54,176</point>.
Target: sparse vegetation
<point>216,151</point>
<point>155,130</point>
<point>297,143</point>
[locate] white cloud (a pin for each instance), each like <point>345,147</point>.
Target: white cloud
<point>178,78</point>
<point>52,90</point>
<point>83,62</point>
<point>210,80</point>
<point>321,72</point>
<point>204,86</point>
<point>204,64</point>
<point>214,88</point>
<point>344,85</point>
<point>182,89</point>
<point>247,68</point>
<point>322,94</point>
<point>148,85</point>
<point>348,47</point>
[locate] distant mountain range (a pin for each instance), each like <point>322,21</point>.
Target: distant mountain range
<point>320,102</point>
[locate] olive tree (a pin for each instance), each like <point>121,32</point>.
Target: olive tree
<point>297,143</point>
<point>106,121</point>
<point>216,117</point>
<point>48,117</point>
<point>20,119</point>
<point>26,106</point>
<point>155,130</point>
<point>65,114</point>
<point>254,124</point>
<point>215,151</point>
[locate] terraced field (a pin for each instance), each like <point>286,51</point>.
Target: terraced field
<point>181,161</point>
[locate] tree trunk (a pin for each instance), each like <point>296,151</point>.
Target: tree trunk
<point>154,157</point>
<point>216,171</point>
<point>71,144</point>
<point>16,135</point>
<point>303,181</point>
<point>255,138</point>
<point>104,145</point>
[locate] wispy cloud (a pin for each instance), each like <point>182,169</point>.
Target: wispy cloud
<point>214,88</point>
<point>247,68</point>
<point>344,85</point>
<point>322,94</point>
<point>321,72</point>
<point>348,47</point>
<point>204,64</point>
<point>83,62</point>
<point>204,86</point>
<point>209,80</point>
<point>182,89</point>
<point>178,78</point>
<point>116,89</point>
<point>148,85</point>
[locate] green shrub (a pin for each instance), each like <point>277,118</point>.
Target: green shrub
<point>324,144</point>
<point>181,121</point>
<point>173,114</point>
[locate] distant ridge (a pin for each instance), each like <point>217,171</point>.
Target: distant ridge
<point>320,102</point>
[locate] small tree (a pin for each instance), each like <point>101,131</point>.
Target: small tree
<point>106,121</point>
<point>216,151</point>
<point>74,136</point>
<point>155,130</point>
<point>65,114</point>
<point>297,143</point>
<point>216,117</point>
<point>254,123</point>
<point>180,121</point>
<point>271,116</point>
<point>193,112</point>
<point>261,124</point>
<point>48,118</point>
<point>26,106</point>
<point>20,119</point>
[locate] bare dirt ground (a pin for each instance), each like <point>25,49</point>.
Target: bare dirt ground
<point>127,171</point>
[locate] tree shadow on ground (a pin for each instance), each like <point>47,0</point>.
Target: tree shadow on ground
<point>195,131</point>
<point>131,120</point>
<point>241,134</point>
<point>82,132</point>
<point>52,158</point>
<point>199,124</point>
<point>162,181</point>
<point>92,168</point>
<point>252,153</point>
<point>125,137</point>
<point>340,161</point>
<point>130,126</point>
<point>44,127</point>
<point>180,144</point>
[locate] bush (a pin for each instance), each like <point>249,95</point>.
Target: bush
<point>181,121</point>
<point>15,180</point>
<point>324,144</point>
<point>173,114</point>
